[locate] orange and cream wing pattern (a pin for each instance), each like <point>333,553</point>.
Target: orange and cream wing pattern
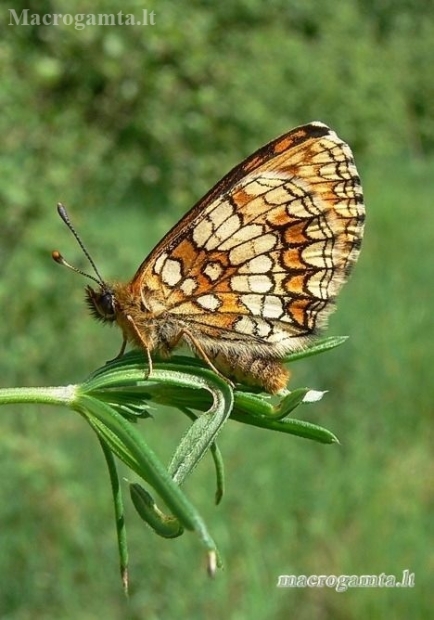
<point>262,256</point>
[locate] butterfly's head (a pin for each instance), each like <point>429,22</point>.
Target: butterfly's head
<point>102,303</point>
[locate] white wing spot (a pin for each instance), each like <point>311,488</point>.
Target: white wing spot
<point>171,272</point>
<point>263,329</point>
<point>159,262</point>
<point>260,284</point>
<point>223,232</point>
<point>209,302</point>
<point>202,232</point>
<point>189,286</point>
<point>259,264</point>
<point>213,271</point>
<point>254,247</point>
<point>245,325</point>
<point>272,307</point>
<point>240,235</point>
<point>253,327</point>
<point>251,284</point>
<point>278,196</point>
<point>240,284</point>
<point>219,212</point>
<point>252,303</point>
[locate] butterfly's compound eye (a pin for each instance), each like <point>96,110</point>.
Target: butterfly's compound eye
<point>101,304</point>
<point>106,304</point>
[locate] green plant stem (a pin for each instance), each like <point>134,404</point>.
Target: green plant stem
<point>119,513</point>
<point>63,395</point>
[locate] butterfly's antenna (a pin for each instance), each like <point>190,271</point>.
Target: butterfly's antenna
<point>56,255</point>
<point>59,258</point>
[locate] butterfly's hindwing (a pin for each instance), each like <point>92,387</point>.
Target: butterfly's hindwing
<point>262,257</point>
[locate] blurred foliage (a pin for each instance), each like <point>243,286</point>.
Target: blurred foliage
<point>129,126</point>
<point>155,109</point>
<point>120,117</point>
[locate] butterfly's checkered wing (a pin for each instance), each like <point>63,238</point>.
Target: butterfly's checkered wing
<point>261,258</point>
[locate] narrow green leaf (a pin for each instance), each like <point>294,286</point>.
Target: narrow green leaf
<point>321,346</point>
<point>119,514</point>
<point>163,525</point>
<point>290,426</point>
<point>217,458</point>
<point>202,433</point>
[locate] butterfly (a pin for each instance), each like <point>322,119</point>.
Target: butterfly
<point>252,271</point>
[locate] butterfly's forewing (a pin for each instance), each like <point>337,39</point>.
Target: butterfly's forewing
<point>261,258</point>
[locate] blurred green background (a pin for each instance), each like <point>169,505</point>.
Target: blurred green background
<point>129,126</point>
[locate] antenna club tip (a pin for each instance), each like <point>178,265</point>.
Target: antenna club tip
<point>61,210</point>
<point>56,256</point>
<point>212,563</point>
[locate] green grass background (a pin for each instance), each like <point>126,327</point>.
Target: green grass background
<point>129,127</point>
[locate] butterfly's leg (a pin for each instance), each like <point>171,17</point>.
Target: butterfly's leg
<point>202,354</point>
<point>150,366</point>
<point>144,344</point>
<point>121,352</point>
